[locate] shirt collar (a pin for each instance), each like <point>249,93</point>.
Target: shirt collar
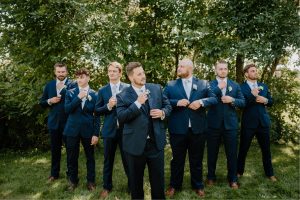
<point>117,84</point>
<point>138,90</point>
<point>190,79</point>
<point>218,79</point>
<point>64,81</point>
<point>251,83</point>
<point>85,88</point>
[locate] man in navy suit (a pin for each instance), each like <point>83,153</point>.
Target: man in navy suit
<point>223,124</point>
<point>189,97</point>
<point>112,129</point>
<point>82,125</point>
<point>255,121</point>
<point>142,108</point>
<point>54,98</point>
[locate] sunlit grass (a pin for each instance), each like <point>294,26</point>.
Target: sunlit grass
<point>23,175</point>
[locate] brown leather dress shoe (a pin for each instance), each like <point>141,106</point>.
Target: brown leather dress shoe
<point>210,182</point>
<point>200,193</point>
<point>170,192</point>
<point>91,186</point>
<point>234,185</point>
<point>273,178</point>
<point>104,193</point>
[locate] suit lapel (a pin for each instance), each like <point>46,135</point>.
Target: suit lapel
<point>181,88</point>
<point>109,92</point>
<point>150,97</point>
<point>228,87</point>
<point>193,90</point>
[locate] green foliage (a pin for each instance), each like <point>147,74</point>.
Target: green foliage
<point>35,34</point>
<point>285,112</point>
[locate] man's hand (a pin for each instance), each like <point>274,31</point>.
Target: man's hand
<point>112,102</point>
<point>222,84</point>
<point>226,99</point>
<point>195,105</point>
<point>94,140</point>
<point>183,102</point>
<point>142,98</point>
<point>82,94</point>
<point>255,92</point>
<point>156,113</point>
<point>54,100</point>
<point>261,99</point>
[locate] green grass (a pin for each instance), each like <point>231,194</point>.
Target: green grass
<point>23,175</point>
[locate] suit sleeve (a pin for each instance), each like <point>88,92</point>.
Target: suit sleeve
<point>166,106</point>
<point>101,106</point>
<point>211,97</point>
<point>71,103</point>
<point>269,97</point>
<point>166,93</point>
<point>239,101</point>
<point>126,113</point>
<point>45,97</point>
<point>96,123</point>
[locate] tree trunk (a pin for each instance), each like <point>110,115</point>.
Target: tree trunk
<point>239,63</point>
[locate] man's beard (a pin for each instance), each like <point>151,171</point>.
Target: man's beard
<point>183,75</point>
<point>61,78</point>
<point>140,83</point>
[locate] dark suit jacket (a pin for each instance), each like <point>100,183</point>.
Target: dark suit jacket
<point>179,118</point>
<point>225,111</point>
<point>81,122</point>
<point>57,116</point>
<point>255,113</point>
<point>109,128</point>
<point>136,120</point>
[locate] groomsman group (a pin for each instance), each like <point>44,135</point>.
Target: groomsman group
<point>135,120</point>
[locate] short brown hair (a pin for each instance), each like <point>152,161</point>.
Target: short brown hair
<point>245,70</point>
<point>82,71</point>
<point>220,62</point>
<point>131,66</point>
<point>116,65</point>
<point>59,64</point>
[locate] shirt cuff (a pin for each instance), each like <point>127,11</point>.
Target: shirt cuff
<point>49,103</point>
<point>138,104</point>
<point>109,108</point>
<point>267,101</point>
<point>163,115</point>
<point>201,102</point>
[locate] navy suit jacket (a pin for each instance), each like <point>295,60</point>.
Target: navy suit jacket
<point>109,128</point>
<point>255,113</point>
<point>57,116</point>
<point>81,121</point>
<point>136,120</point>
<point>225,111</point>
<point>179,118</point>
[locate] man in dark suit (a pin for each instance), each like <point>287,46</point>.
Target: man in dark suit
<point>82,125</point>
<point>142,109</point>
<point>54,98</point>
<point>189,97</point>
<point>223,124</point>
<point>255,121</point>
<point>112,129</point>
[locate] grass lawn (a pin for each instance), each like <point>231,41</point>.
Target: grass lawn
<point>23,175</point>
